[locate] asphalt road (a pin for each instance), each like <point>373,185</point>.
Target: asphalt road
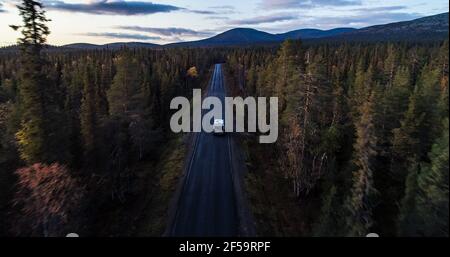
<point>207,205</point>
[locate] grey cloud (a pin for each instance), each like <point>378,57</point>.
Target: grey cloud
<point>112,7</point>
<point>380,18</point>
<point>264,19</point>
<point>359,18</point>
<point>118,7</point>
<point>166,31</point>
<point>202,11</point>
<point>286,4</point>
<point>121,36</point>
<point>381,9</point>
<point>375,15</point>
<point>223,9</point>
<point>217,18</point>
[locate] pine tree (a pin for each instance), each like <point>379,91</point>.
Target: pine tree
<point>361,88</point>
<point>102,83</point>
<point>124,95</point>
<point>390,64</point>
<point>34,29</point>
<point>361,200</point>
<point>89,121</point>
<point>432,200</point>
<point>308,111</point>
<point>328,221</point>
<point>406,145</point>
<point>33,136</point>
<point>389,111</point>
<point>395,102</point>
<point>408,220</point>
<point>251,80</point>
<point>290,66</point>
<point>420,125</point>
<point>72,81</point>
<point>443,65</point>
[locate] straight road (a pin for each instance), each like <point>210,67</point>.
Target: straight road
<point>207,205</point>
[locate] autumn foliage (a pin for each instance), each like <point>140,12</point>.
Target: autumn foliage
<point>46,196</point>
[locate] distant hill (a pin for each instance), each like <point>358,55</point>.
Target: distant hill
<point>428,28</point>
<point>313,33</point>
<point>248,36</point>
<point>117,45</point>
<point>238,36</point>
<point>132,45</point>
<point>423,29</point>
<point>15,48</point>
<point>83,46</point>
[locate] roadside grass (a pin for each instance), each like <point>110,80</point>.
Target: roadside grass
<point>276,210</point>
<point>164,182</point>
<point>144,213</point>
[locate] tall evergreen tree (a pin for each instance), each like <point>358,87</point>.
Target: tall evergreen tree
<point>406,141</point>
<point>328,221</point>
<point>72,81</point>
<point>88,114</point>
<point>39,110</point>
<point>291,65</point>
<point>124,96</point>
<point>432,200</point>
<point>408,220</point>
<point>361,200</point>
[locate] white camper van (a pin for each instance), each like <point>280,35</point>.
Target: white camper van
<point>219,127</point>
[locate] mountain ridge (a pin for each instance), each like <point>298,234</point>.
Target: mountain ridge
<point>434,27</point>
<point>427,28</point>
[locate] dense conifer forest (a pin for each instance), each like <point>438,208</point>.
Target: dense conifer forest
<point>363,131</point>
<point>362,147</point>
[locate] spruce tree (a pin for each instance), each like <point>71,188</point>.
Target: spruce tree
<point>328,222</point>
<point>73,82</point>
<point>124,95</point>
<point>408,220</point>
<point>88,114</point>
<point>432,200</point>
<point>361,200</point>
<point>33,135</point>
<point>290,66</point>
<point>406,139</point>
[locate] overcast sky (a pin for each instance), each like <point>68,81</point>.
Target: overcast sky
<point>166,21</point>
